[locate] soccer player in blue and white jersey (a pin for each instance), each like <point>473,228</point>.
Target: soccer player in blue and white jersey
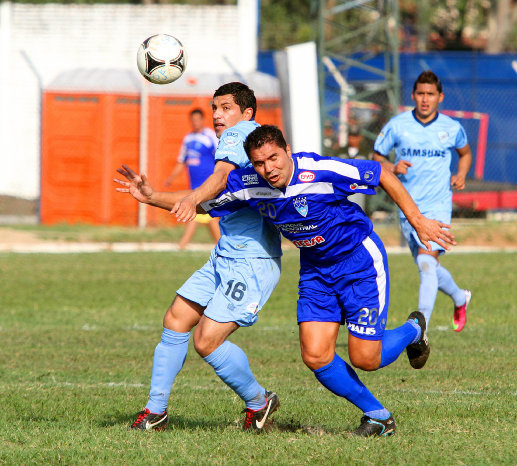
<point>343,265</point>
<point>225,293</point>
<point>197,155</point>
<point>424,141</point>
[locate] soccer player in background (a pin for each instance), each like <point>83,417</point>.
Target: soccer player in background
<point>196,154</point>
<point>424,140</point>
<point>225,293</point>
<point>343,264</point>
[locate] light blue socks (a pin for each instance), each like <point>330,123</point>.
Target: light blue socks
<point>230,363</point>
<point>427,266</point>
<point>447,285</point>
<point>169,357</point>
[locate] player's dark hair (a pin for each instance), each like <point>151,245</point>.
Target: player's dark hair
<point>243,96</point>
<point>264,135</point>
<point>198,111</point>
<point>428,77</point>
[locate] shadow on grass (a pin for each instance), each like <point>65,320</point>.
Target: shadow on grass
<point>176,422</point>
<point>182,423</point>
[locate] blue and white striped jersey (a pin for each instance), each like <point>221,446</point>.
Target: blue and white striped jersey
<point>429,149</point>
<point>313,210</point>
<point>243,233</point>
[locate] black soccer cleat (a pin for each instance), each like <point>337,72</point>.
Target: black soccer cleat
<point>418,352</point>
<point>150,421</point>
<point>376,427</point>
<point>257,419</point>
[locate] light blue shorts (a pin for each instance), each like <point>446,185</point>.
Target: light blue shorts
<point>233,290</point>
<point>412,238</point>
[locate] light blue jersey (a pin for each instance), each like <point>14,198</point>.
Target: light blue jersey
<point>429,148</point>
<point>245,233</point>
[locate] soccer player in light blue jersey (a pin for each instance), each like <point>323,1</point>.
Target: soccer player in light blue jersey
<point>225,293</point>
<point>343,265</point>
<point>197,155</point>
<point>424,141</point>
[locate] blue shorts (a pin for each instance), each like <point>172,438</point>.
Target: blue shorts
<point>412,238</point>
<point>232,290</point>
<point>354,290</point>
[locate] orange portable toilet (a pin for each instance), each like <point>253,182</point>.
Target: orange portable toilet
<point>91,126</point>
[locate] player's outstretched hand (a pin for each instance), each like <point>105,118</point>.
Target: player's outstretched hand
<point>433,230</point>
<point>185,209</point>
<point>136,185</point>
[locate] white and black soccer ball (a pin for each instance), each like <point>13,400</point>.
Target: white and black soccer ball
<point>161,59</point>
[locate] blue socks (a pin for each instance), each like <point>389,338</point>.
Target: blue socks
<point>230,363</point>
<point>447,285</point>
<point>169,357</point>
<point>395,341</point>
<point>340,379</point>
<point>427,266</point>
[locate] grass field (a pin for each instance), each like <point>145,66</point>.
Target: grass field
<point>78,333</point>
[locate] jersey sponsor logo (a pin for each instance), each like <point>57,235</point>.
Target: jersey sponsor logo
<point>308,243</point>
<point>306,177</point>
<point>368,175</point>
<point>290,227</point>
<point>231,138</point>
<point>218,202</point>
<point>355,186</point>
<point>250,179</point>
<point>361,330</point>
<point>300,204</point>
<point>409,152</point>
<point>443,136</point>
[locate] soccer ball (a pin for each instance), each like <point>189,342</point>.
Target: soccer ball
<point>161,59</point>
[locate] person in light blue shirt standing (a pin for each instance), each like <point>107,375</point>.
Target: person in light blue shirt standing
<point>230,289</point>
<point>424,141</point>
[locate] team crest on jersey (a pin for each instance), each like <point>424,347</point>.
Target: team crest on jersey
<point>300,204</point>
<point>231,138</point>
<point>368,175</point>
<point>250,179</point>
<point>443,136</point>
<point>306,177</point>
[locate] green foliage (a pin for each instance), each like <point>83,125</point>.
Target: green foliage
<point>78,333</point>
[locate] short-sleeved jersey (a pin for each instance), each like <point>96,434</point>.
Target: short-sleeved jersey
<point>313,210</point>
<point>197,152</point>
<point>244,233</point>
<point>429,149</point>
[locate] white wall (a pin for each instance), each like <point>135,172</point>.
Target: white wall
<point>59,37</point>
<point>304,107</point>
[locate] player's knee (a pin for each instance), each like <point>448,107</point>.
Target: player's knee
<point>366,362</point>
<point>314,360</point>
<point>203,346</point>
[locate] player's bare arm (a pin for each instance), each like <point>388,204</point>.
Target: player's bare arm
<point>140,188</point>
<point>464,163</point>
<point>427,230</point>
<point>186,208</point>
<point>400,168</point>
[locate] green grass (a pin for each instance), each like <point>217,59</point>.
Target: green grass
<point>78,332</point>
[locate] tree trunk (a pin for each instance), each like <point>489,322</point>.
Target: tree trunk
<point>499,25</point>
